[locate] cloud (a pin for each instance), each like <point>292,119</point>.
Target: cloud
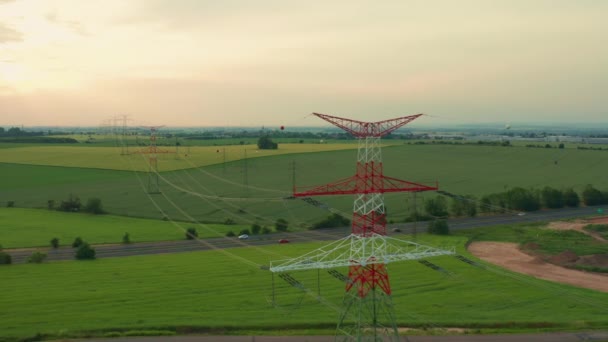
<point>8,34</point>
<point>72,25</point>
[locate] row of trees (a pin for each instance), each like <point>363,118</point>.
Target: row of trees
<point>514,199</point>
<point>281,225</point>
<point>73,204</point>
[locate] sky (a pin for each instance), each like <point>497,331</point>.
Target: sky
<point>265,63</point>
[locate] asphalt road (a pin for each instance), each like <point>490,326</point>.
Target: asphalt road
<point>120,250</point>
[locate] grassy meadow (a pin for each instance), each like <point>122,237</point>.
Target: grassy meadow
<point>250,190</point>
<point>197,292</point>
<point>35,228</point>
<point>169,158</point>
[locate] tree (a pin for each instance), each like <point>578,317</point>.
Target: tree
<point>522,199</point>
<point>592,196</point>
<point>436,207</point>
<point>5,258</point>
<point>561,145</point>
<point>552,198</point>
<point>191,233</point>
<point>230,234</point>
<point>281,225</point>
<point>71,204</point>
<point>333,220</point>
<point>36,258</point>
<point>571,198</point>
<point>50,204</point>
<point>77,242</point>
<point>126,239</point>
<point>85,252</point>
<point>439,227</point>
<point>10,204</point>
<point>256,228</point>
<point>55,243</point>
<point>94,206</point>
<point>464,205</point>
<point>265,143</point>
<point>244,232</point>
<point>266,230</point>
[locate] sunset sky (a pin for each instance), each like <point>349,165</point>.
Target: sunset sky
<point>254,63</point>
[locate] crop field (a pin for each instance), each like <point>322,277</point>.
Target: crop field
<point>251,190</point>
<point>173,159</point>
<point>35,228</point>
<point>197,292</point>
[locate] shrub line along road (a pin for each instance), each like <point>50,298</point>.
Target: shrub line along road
<point>120,250</point>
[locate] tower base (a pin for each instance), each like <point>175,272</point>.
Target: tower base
<point>367,319</point>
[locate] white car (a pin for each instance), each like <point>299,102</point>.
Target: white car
<point>244,237</point>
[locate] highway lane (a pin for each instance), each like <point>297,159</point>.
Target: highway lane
<point>144,248</point>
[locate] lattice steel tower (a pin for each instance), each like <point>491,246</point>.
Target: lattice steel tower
<point>152,150</point>
<point>368,313</point>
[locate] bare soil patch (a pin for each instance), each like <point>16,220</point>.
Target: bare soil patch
<point>579,226</point>
<point>507,255</point>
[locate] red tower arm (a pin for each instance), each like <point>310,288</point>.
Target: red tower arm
<point>362,129</point>
<point>357,185</point>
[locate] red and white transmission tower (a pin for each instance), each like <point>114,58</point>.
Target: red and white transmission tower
<point>368,313</point>
<point>152,150</point>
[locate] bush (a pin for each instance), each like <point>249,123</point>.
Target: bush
<point>126,239</point>
<point>10,204</point>
<point>36,258</point>
<point>436,207</point>
<point>266,230</point>
<point>571,198</point>
<point>332,221</point>
<point>230,234</point>
<point>71,204</point>
<point>5,258</point>
<point>265,143</point>
<point>85,252</point>
<point>94,206</point>
<point>244,231</point>
<point>256,228</point>
<point>281,225</point>
<point>77,242</point>
<point>439,227</point>
<point>191,233</point>
<point>592,196</point>
<point>552,198</point>
<point>50,204</point>
<point>229,222</point>
<point>55,243</point>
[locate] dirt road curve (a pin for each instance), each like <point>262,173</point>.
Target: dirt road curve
<point>549,337</point>
<point>507,255</point>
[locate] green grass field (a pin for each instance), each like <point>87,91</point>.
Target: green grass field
<point>169,158</point>
<point>204,193</point>
<point>200,292</point>
<point>35,228</point>
<point>550,242</point>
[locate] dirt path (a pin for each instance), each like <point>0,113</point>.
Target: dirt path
<point>579,226</point>
<point>507,255</point>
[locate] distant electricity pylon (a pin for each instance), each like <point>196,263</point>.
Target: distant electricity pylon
<point>368,313</point>
<point>152,152</point>
<point>124,145</point>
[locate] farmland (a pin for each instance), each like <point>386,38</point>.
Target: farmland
<point>226,291</point>
<point>35,228</point>
<point>204,193</point>
<point>198,292</point>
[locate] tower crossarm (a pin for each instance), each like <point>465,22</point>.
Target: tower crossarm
<point>359,184</point>
<point>355,250</point>
<point>362,129</point>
